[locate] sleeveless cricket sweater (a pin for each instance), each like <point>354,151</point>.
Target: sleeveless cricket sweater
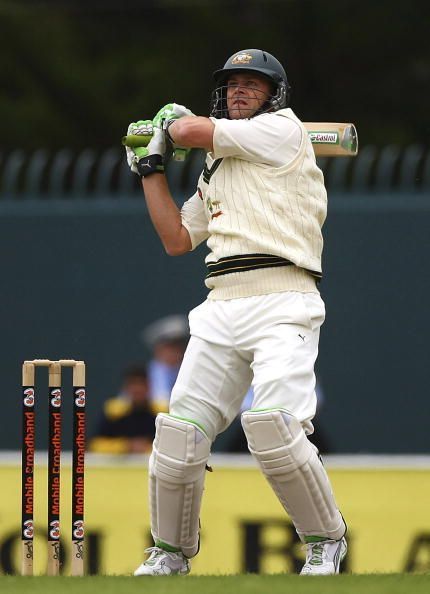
<point>260,216</point>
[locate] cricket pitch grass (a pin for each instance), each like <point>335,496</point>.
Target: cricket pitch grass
<point>239,584</point>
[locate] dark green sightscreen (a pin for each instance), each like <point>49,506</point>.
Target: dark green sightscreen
<point>81,279</point>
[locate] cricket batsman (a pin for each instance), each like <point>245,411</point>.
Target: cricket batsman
<point>260,204</point>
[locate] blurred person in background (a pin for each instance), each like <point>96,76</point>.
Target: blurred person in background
<point>166,339</point>
<point>127,425</point>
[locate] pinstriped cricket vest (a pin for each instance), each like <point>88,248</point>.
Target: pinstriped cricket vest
<point>256,209</point>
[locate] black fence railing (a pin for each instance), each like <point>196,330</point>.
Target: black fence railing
<point>89,173</point>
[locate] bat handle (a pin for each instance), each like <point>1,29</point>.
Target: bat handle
<point>136,140</point>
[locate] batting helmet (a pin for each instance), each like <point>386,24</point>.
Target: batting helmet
<point>251,60</point>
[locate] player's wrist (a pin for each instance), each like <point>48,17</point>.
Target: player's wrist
<point>180,153</point>
<point>168,125</point>
<point>150,164</point>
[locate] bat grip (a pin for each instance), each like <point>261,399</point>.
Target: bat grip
<point>136,140</point>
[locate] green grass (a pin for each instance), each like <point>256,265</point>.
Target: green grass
<point>246,584</point>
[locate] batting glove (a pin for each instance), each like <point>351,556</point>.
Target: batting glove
<point>165,116</point>
<point>171,111</point>
<point>150,159</point>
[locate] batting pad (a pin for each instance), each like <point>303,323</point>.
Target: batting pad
<point>176,478</point>
<point>291,465</point>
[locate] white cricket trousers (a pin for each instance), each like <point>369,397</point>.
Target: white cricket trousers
<point>270,341</point>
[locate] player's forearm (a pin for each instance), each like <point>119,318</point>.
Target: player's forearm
<point>193,132</point>
<point>165,215</point>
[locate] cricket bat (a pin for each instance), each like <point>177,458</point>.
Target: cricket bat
<point>329,139</point>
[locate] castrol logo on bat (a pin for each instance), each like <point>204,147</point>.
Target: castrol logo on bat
<point>324,137</point>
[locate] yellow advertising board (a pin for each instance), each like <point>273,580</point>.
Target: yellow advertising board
<point>243,526</point>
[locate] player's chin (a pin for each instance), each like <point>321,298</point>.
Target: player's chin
<point>240,113</point>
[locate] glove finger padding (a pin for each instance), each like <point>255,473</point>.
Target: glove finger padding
<point>149,159</point>
<point>141,127</point>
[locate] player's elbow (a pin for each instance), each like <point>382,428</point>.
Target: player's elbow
<point>176,249</point>
<point>178,243</point>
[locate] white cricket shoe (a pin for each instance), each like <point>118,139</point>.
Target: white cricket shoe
<point>324,557</point>
<point>161,562</point>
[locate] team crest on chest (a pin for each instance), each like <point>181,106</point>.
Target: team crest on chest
<point>214,207</point>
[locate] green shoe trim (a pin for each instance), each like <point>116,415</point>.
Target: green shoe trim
<point>190,421</point>
<point>317,554</point>
<point>309,539</point>
<point>166,547</point>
